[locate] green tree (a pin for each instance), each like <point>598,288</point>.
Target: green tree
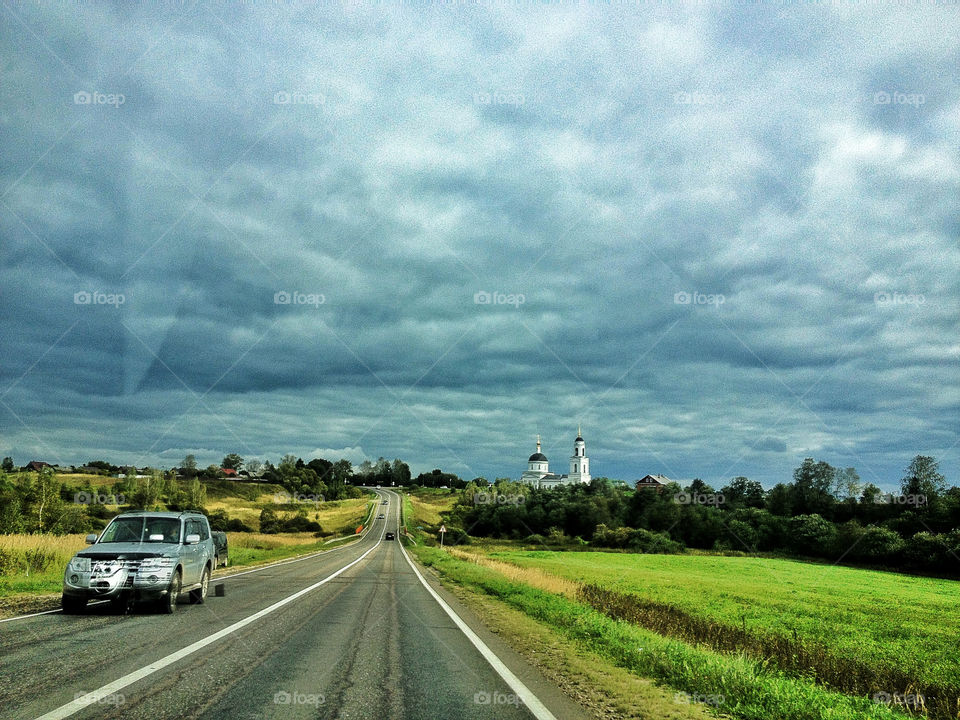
<point>195,495</point>
<point>923,479</point>
<point>847,484</point>
<point>7,464</point>
<point>11,516</point>
<point>232,462</point>
<point>189,465</point>
<point>400,472</point>
<point>779,500</point>
<point>287,467</point>
<point>147,492</point>
<point>45,502</point>
<point>743,492</point>
<point>811,492</point>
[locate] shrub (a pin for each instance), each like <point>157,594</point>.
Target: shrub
<point>646,541</point>
<point>812,534</point>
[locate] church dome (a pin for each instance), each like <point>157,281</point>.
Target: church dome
<point>538,457</point>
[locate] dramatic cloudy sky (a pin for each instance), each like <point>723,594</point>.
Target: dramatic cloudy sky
<point>721,236</point>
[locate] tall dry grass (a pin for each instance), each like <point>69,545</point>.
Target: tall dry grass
<point>531,576</point>
<point>22,554</point>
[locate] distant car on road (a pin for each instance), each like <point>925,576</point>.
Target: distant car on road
<point>381,516</point>
<point>143,557</point>
<point>384,503</point>
<point>388,536</point>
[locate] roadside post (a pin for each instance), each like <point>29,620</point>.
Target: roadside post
<point>443,530</point>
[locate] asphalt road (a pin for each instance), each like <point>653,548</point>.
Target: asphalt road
<point>350,633</point>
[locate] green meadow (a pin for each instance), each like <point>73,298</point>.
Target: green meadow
<point>775,638</point>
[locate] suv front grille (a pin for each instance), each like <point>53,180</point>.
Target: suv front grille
<point>109,568</point>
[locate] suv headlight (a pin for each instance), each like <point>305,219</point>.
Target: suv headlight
<point>79,564</point>
<point>157,563</point>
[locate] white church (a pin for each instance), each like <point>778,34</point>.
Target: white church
<point>538,467</point>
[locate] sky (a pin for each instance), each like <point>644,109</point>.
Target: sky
<point>719,237</point>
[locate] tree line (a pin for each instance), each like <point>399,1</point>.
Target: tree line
<point>46,502</point>
<point>825,512</point>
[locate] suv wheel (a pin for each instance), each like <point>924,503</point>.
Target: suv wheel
<point>200,594</point>
<point>168,603</point>
<point>72,605</point>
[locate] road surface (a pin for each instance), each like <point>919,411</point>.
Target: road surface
<point>354,632</point>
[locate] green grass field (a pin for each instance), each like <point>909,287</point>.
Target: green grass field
<point>733,685</point>
<point>857,631</point>
<point>884,620</point>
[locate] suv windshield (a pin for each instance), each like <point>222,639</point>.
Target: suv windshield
<point>142,529</point>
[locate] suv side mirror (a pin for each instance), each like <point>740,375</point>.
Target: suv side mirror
<point>191,539</point>
<point>91,538</point>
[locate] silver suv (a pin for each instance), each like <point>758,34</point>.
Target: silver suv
<point>143,556</point>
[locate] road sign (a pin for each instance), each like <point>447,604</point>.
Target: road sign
<point>443,529</point>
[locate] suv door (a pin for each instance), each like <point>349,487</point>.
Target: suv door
<point>206,546</point>
<point>191,553</point>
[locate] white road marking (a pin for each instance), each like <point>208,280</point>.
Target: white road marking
<point>531,701</point>
<point>92,698</point>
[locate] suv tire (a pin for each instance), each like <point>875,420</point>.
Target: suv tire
<point>200,594</point>
<point>168,603</point>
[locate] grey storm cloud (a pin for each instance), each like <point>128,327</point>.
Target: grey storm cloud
<point>722,237</point>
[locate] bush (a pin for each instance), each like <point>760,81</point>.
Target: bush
<point>456,536</point>
<point>646,541</point>
<point>879,545</point>
<point>925,550</point>
<point>812,535</point>
<point>38,560</point>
